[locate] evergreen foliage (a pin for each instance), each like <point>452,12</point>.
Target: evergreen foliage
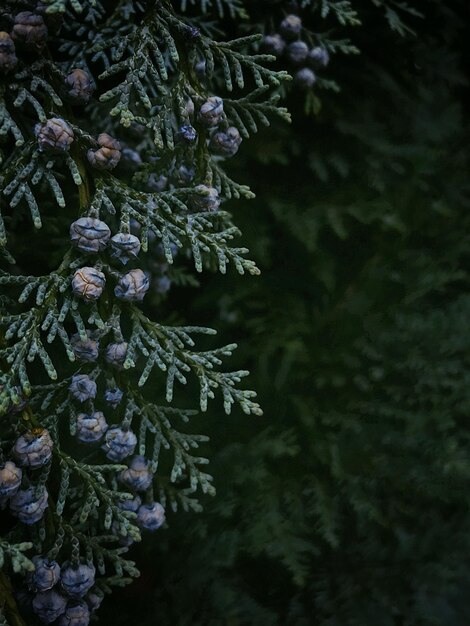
<point>347,503</point>
<point>107,159</point>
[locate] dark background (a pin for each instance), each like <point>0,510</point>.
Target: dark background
<point>347,503</point>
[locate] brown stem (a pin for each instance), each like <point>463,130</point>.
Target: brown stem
<point>8,603</point>
<point>84,187</point>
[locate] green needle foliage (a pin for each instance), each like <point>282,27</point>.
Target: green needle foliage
<point>347,505</point>
<point>74,78</point>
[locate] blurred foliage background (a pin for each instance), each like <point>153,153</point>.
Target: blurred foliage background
<point>347,503</point>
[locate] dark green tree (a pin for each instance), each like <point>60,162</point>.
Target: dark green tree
<point>112,179</point>
<point>347,504</point>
